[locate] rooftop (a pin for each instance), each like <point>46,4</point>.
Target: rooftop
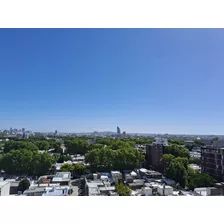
<point>3,183</point>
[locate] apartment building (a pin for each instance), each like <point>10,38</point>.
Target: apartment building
<point>154,153</point>
<point>212,162</point>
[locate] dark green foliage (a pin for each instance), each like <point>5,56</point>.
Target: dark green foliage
<point>177,151</point>
<point>198,142</point>
<point>26,162</point>
<point>115,159</point>
<point>177,170</point>
<point>43,145</point>
<point>196,180</point>
<point>18,145</point>
<point>23,185</point>
<point>76,146</point>
<point>176,141</point>
<point>67,167</point>
<point>79,169</point>
<point>53,144</point>
<point>195,161</point>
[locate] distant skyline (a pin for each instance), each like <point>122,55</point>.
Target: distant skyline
<point>84,80</point>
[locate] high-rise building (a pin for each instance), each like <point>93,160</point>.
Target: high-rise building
<point>118,130</point>
<point>23,130</point>
<point>154,153</point>
<point>56,132</point>
<point>212,162</point>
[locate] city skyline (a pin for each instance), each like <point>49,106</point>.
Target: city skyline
<point>144,80</point>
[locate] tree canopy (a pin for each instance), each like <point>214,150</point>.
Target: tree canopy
<point>176,151</point>
<point>23,185</point>
<point>17,145</point>
<point>196,180</point>
<point>115,159</point>
<point>122,189</point>
<point>26,162</point>
<point>76,146</point>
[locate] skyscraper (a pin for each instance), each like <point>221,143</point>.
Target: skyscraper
<point>118,130</point>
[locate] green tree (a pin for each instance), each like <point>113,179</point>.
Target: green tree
<point>79,169</point>
<point>23,185</point>
<point>196,180</point>
<point>176,141</point>
<point>43,145</point>
<point>177,171</point>
<point>26,162</point>
<point>199,142</point>
<point>177,151</point>
<point>67,168</point>
<point>115,159</point>
<point>18,145</point>
<point>122,189</point>
<point>166,160</point>
<point>76,146</point>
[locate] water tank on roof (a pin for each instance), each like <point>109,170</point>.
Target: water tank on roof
<point>94,176</point>
<point>133,174</point>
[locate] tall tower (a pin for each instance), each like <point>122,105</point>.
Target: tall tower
<point>118,130</point>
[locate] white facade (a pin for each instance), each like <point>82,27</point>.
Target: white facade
<point>164,190</point>
<point>147,191</point>
<point>4,188</point>
<point>161,141</point>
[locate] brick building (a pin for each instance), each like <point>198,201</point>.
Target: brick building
<point>154,153</point>
<point>212,162</point>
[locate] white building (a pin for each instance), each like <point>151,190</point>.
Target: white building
<point>164,190</point>
<point>161,141</point>
<point>4,188</point>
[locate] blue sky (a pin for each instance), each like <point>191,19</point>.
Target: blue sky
<point>143,80</point>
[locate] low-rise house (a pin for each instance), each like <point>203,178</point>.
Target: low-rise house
<point>207,191</point>
<point>164,190</point>
<point>147,191</point>
<point>63,178</point>
<point>149,173</point>
<point>56,191</point>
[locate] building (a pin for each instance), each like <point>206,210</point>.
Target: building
<point>212,162</point>
<point>189,143</point>
<point>62,178</point>
<point>207,191</point>
<point>164,190</point>
<point>161,141</point>
<point>4,188</point>
<point>118,131</point>
<point>154,153</point>
<point>218,144</point>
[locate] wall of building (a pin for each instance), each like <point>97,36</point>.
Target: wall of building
<point>154,153</point>
<point>4,190</point>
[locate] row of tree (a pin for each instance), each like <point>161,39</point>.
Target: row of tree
<point>26,162</point>
<point>32,145</point>
<point>120,159</point>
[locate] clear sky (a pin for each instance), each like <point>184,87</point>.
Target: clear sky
<point>142,80</point>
